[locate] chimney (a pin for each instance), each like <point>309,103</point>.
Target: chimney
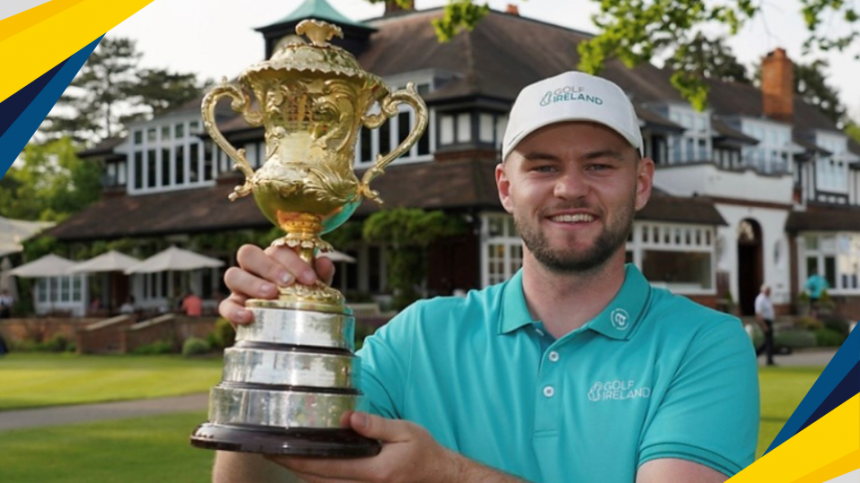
<point>777,86</point>
<point>392,7</point>
<point>513,10</point>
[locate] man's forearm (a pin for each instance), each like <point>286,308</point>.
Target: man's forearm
<point>469,471</point>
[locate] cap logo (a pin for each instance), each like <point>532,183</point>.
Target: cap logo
<point>568,93</point>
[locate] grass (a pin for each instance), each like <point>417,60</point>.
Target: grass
<point>36,379</point>
<point>156,448</point>
<point>141,450</point>
<point>782,390</point>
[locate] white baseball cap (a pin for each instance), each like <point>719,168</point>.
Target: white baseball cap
<point>571,96</point>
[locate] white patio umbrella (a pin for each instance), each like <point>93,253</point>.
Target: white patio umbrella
<point>111,261</point>
<point>47,266</point>
<point>337,256</point>
<point>174,259</point>
<point>13,232</point>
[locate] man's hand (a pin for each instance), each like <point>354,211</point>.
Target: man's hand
<point>261,272</point>
<point>409,454</point>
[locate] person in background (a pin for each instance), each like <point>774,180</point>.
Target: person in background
<point>192,305</point>
<point>6,302</point>
<point>128,306</point>
<point>764,315</point>
<point>815,285</point>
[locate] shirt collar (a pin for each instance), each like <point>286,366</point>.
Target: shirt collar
<point>617,321</point>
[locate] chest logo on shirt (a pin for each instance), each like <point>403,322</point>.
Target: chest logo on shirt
<point>616,390</point>
<point>620,319</point>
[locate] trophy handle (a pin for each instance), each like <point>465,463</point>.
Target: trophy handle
<point>241,103</point>
<point>389,109</point>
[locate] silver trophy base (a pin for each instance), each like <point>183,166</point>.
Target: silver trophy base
<point>287,384</point>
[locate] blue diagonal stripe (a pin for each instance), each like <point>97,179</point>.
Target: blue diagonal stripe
<point>12,142</point>
<point>846,389</point>
<point>11,108</point>
<point>842,363</point>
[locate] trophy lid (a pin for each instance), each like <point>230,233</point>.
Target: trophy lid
<point>317,56</point>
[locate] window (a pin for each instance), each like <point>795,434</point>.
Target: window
<point>464,127</point>
<point>151,169</point>
<point>486,132</point>
<point>679,257</point>
<point>169,156</point>
<point>695,143</point>
<point>835,256</point>
<point>392,133</point>
<point>446,129</point>
<point>55,292</point>
<point>502,252</point>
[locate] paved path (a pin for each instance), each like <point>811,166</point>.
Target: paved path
<point>809,357</point>
<point>33,418</point>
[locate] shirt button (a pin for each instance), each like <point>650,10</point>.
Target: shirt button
<point>539,332</point>
<point>548,391</point>
<point>553,356</point>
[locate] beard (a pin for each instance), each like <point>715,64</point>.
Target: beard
<point>567,260</point>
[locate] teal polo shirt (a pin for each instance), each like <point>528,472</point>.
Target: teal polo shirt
<point>654,375</point>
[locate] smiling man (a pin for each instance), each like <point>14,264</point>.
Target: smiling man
<point>575,369</point>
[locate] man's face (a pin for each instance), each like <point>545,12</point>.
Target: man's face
<point>573,189</point>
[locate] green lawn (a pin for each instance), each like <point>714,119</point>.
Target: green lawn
<point>143,450</point>
<point>35,380</point>
<point>156,448</point>
<point>782,389</point>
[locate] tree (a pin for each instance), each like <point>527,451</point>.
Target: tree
<point>852,129</point>
<point>158,90</point>
<point>636,31</point>
<point>91,110</point>
<point>409,231</point>
<point>810,83</point>
<point>51,183</point>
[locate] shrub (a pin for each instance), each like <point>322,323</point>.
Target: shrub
<point>195,346</point>
<point>836,324</point>
<point>828,338</point>
<point>57,343</point>
<point>224,335</point>
<point>795,339</point>
<point>807,323</point>
<point>157,347</point>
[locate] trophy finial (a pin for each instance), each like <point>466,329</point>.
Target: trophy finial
<point>318,32</point>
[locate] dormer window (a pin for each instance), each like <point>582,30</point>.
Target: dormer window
<point>169,155</point>
<point>382,140</point>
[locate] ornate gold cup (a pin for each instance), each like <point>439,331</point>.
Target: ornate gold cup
<point>292,375</point>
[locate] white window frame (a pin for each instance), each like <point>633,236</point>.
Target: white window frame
<point>511,245</point>
<point>170,143</point>
<point>845,251</point>
<point>702,240</point>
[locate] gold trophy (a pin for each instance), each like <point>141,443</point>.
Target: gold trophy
<point>292,375</point>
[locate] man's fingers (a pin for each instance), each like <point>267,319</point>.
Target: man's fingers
<point>255,260</point>
<point>246,284</point>
<point>386,430</point>
<point>233,309</point>
<point>290,261</point>
<point>325,269</point>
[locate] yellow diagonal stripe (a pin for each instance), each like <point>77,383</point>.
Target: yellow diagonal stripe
<point>53,38</point>
<point>831,438</point>
<point>831,471</point>
<point>26,19</point>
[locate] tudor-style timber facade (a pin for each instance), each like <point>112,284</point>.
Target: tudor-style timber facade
<point>758,188</point>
